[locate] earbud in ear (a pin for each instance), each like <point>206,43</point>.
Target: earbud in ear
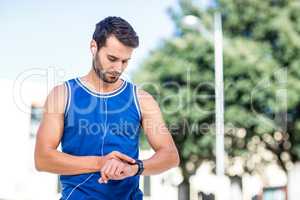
<point>94,50</point>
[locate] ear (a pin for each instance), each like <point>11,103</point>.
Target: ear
<point>93,47</point>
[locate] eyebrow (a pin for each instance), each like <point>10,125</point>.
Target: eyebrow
<point>114,57</point>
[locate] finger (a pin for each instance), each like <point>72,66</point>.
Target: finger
<point>100,180</point>
<point>113,169</point>
<point>119,170</point>
<point>126,170</point>
<point>122,174</point>
<point>107,171</point>
<point>124,157</point>
<point>104,176</point>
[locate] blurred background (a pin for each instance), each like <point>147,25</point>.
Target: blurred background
<point>225,74</point>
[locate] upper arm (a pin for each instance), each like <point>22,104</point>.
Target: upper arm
<point>51,127</point>
<point>153,124</point>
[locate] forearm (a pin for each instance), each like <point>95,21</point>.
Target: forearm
<point>161,161</point>
<point>65,164</point>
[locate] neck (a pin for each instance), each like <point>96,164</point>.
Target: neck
<point>98,84</point>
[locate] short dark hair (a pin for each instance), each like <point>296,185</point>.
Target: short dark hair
<point>118,27</point>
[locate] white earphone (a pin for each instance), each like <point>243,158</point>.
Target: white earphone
<point>94,49</point>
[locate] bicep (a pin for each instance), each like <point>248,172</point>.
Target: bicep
<point>49,132</point>
<point>153,124</point>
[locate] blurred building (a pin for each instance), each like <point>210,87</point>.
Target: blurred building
<point>20,108</point>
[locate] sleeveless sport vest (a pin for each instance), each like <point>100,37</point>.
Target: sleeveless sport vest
<point>96,124</point>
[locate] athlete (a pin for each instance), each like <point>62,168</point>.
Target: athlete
<point>97,119</point>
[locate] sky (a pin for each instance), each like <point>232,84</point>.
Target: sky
<point>56,34</point>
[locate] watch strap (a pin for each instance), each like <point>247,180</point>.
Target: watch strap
<point>140,167</point>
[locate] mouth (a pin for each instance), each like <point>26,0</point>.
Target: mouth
<point>114,75</point>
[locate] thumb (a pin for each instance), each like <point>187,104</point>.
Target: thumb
<point>125,158</point>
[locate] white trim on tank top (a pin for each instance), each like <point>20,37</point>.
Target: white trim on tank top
<point>104,95</point>
<point>135,97</point>
<point>68,87</point>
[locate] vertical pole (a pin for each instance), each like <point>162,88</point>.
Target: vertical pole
<point>219,94</point>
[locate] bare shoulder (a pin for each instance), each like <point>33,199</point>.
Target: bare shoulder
<point>144,95</point>
<point>56,100</point>
<point>147,101</point>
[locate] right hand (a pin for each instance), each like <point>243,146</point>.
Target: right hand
<point>113,169</point>
<point>115,155</point>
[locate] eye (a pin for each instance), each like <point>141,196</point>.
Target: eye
<point>112,59</point>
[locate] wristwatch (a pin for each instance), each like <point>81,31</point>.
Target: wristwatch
<point>140,167</point>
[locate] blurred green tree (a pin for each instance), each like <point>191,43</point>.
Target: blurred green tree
<point>261,82</point>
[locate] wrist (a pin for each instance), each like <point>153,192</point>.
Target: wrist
<point>99,162</point>
<point>140,167</point>
<point>134,169</point>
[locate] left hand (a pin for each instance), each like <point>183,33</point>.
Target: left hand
<point>115,169</point>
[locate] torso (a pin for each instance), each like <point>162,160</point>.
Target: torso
<point>97,124</point>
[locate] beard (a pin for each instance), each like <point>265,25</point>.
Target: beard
<point>104,75</point>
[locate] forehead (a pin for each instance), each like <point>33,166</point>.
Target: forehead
<point>115,48</point>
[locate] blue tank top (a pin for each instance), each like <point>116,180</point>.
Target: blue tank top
<point>96,124</point>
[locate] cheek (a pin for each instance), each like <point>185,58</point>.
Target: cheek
<point>105,63</point>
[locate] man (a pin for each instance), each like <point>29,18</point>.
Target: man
<point>97,119</point>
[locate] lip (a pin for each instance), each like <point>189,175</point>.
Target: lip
<point>113,75</point>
